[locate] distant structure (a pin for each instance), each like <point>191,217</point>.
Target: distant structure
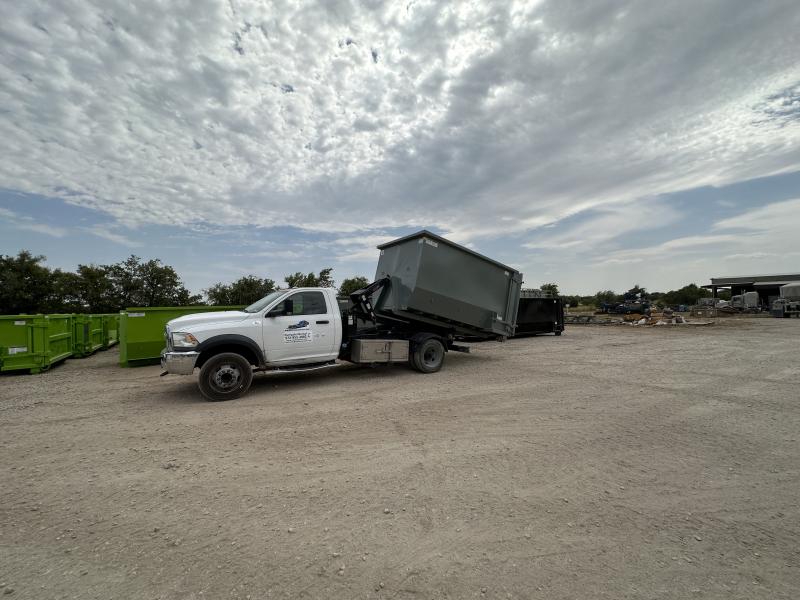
<point>767,286</point>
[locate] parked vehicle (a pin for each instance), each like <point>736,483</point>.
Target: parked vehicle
<point>789,303</point>
<point>428,295</point>
<point>747,302</point>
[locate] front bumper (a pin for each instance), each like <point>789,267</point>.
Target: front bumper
<point>179,363</point>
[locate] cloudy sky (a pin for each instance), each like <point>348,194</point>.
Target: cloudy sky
<point>595,144</point>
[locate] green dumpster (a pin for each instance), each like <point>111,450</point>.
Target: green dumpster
<point>141,331</point>
<point>110,329</point>
<point>34,342</point>
<point>88,331</point>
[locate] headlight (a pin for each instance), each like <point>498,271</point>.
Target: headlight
<point>184,340</point>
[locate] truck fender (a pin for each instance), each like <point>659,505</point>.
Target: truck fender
<point>416,339</point>
<point>229,342</point>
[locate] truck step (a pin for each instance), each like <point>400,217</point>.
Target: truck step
<point>304,368</point>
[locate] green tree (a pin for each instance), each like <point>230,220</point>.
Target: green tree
<point>218,294</point>
<point>605,296</point>
<point>91,289</point>
<point>151,283</point>
<point>244,290</point>
<point>551,288</point>
<point>298,279</point>
<point>26,285</point>
<point>352,284</point>
<point>66,294</point>
<point>636,292</point>
<point>688,294</point>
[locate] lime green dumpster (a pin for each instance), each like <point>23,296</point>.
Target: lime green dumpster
<point>88,334</point>
<point>141,331</point>
<point>110,329</point>
<point>34,342</point>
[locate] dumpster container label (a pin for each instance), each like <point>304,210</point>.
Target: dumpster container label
<point>135,314</point>
<point>18,350</point>
<point>19,322</point>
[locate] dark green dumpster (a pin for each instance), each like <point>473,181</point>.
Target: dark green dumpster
<point>433,281</point>
<point>34,342</point>
<point>141,331</point>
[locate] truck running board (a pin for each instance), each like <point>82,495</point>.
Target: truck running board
<point>303,368</point>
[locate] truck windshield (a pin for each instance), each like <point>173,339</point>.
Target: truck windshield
<point>264,302</point>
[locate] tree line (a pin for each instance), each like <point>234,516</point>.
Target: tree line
<point>689,295</point>
<point>28,286</point>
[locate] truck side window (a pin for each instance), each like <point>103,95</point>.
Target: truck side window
<point>309,303</point>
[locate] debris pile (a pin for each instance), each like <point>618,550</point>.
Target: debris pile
<point>667,317</point>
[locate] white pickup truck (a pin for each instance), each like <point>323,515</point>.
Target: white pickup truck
<point>428,294</point>
<point>297,329</point>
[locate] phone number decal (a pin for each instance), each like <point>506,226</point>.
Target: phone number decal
<point>297,336</point>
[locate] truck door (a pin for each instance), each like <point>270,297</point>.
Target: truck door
<point>300,330</point>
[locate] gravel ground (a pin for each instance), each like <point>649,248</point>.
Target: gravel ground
<point>611,462</point>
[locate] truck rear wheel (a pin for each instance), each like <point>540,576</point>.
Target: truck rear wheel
<point>225,376</point>
<point>428,357</point>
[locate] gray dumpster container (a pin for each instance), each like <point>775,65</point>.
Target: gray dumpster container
<point>438,283</point>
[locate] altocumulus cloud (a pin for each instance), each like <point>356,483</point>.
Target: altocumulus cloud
<point>474,117</point>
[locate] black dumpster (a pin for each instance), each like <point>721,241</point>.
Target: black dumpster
<point>537,314</point>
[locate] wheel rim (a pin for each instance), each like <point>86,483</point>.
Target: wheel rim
<point>431,356</point>
<point>226,377</point>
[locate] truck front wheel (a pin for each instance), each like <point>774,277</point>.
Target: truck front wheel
<point>428,357</point>
<point>225,376</point>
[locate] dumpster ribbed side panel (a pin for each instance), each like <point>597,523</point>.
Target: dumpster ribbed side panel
<point>80,333</point>
<point>59,337</point>
<point>16,342</point>
<point>34,342</point>
<point>97,332</point>
<point>88,332</point>
<point>110,329</point>
<point>142,330</point>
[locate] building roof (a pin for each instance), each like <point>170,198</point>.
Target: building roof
<point>755,279</point>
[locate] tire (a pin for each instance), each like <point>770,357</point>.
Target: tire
<point>557,332</point>
<point>428,356</point>
<point>225,376</point>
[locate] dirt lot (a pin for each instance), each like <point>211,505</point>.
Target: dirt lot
<point>611,462</point>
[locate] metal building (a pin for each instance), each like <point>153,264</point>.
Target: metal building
<point>767,286</point>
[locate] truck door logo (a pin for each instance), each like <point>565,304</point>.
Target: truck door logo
<point>298,332</point>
